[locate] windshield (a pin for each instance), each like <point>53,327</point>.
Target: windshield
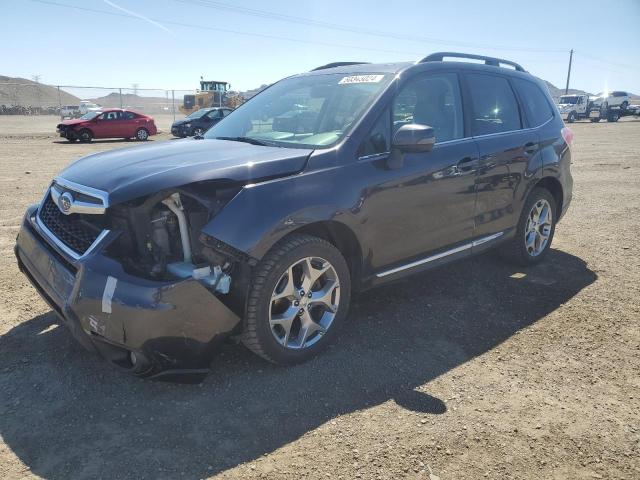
<point>90,115</point>
<point>572,100</point>
<point>313,111</point>
<point>198,113</point>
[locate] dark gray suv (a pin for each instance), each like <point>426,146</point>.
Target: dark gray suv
<point>326,183</point>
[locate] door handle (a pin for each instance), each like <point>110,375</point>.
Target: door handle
<point>530,148</point>
<point>467,164</point>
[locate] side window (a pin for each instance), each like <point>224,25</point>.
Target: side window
<point>226,112</point>
<point>112,115</point>
<point>495,108</point>
<point>379,138</point>
<point>129,115</point>
<point>432,100</point>
<point>535,102</point>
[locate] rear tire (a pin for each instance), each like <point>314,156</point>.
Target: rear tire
<point>142,134</point>
<point>533,238</point>
<point>277,293</point>
<point>571,118</point>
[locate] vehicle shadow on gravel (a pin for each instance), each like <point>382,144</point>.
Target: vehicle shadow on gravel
<point>67,414</point>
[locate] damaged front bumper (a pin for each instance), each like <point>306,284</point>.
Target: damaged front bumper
<point>165,330</point>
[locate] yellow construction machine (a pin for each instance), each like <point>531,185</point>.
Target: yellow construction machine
<point>210,94</point>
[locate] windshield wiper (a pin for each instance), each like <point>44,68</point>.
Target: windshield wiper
<point>252,141</point>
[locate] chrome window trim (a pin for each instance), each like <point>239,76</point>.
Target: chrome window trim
<point>440,255</point>
<point>381,155</point>
<point>512,131</point>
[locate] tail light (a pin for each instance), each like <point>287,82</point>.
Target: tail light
<point>567,134</point>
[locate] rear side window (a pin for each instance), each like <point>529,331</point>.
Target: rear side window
<point>495,108</point>
<point>129,115</point>
<point>535,102</point>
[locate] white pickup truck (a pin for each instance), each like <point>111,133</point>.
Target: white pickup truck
<point>574,107</point>
<point>605,105</point>
<point>76,111</point>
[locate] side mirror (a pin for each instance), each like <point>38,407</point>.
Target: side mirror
<point>410,138</point>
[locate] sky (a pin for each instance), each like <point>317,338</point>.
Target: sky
<point>170,44</point>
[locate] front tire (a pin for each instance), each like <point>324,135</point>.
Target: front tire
<point>85,136</point>
<point>571,118</point>
<point>72,136</point>
<point>535,230</point>
<point>298,300</point>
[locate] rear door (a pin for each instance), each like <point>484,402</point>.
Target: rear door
<point>507,149</point>
<point>129,123</point>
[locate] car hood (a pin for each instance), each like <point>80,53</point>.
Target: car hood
<point>75,121</point>
<point>134,172</point>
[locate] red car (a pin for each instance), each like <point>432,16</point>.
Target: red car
<point>109,123</point>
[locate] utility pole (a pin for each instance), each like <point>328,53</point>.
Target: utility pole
<point>566,88</point>
<point>36,79</point>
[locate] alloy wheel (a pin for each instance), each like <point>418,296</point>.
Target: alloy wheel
<point>304,303</point>
<point>538,228</point>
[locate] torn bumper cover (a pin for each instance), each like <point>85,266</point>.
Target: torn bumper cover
<point>171,328</point>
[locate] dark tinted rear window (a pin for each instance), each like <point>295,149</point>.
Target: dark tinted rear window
<point>535,102</point>
<point>495,108</point>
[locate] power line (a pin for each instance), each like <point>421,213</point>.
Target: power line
<point>226,30</point>
<point>255,34</point>
<point>318,23</point>
<point>354,29</point>
<point>609,62</point>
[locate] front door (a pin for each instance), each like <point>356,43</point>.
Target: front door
<point>428,203</point>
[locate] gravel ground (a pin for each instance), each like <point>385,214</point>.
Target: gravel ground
<point>478,370</point>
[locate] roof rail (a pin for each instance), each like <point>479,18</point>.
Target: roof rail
<point>439,57</point>
<point>338,64</point>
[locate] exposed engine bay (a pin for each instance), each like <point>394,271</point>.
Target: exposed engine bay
<point>160,236</point>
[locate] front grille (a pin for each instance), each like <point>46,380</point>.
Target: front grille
<point>73,230</point>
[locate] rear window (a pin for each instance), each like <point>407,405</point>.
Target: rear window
<point>535,102</point>
<point>495,109</point>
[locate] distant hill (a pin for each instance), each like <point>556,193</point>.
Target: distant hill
<point>556,92</point>
<point>30,93</point>
<point>137,102</point>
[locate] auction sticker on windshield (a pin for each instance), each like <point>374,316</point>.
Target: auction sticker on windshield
<point>361,79</point>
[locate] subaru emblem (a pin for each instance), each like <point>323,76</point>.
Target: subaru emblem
<point>65,202</point>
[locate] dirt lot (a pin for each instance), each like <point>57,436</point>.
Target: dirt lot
<point>475,371</point>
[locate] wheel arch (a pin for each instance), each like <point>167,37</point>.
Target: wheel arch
<point>554,187</point>
<point>341,237</point>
